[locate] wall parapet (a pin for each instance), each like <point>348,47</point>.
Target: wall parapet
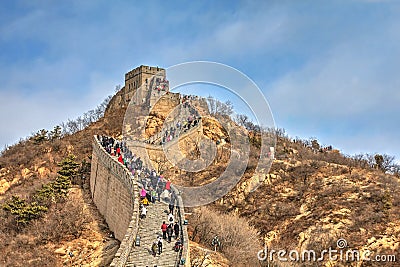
<point>184,253</point>
<point>122,174</point>
<point>113,169</point>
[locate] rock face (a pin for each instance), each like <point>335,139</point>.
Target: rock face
<point>43,172</point>
<point>4,186</point>
<point>308,202</point>
<point>153,125</point>
<point>203,257</point>
<point>213,130</point>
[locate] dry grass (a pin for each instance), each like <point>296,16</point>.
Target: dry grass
<point>239,241</point>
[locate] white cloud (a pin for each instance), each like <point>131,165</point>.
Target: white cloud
<point>348,96</point>
<point>329,63</point>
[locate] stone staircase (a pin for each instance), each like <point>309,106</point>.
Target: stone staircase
<point>180,115</point>
<point>149,230</point>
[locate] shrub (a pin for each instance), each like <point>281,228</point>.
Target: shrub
<point>62,221</point>
<point>51,192</point>
<point>23,211</point>
<point>239,241</point>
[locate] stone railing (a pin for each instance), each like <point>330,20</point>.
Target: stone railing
<point>183,257</point>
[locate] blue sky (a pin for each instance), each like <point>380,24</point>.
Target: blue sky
<point>327,68</point>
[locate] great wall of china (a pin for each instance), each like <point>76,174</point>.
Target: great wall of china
<point>115,190</point>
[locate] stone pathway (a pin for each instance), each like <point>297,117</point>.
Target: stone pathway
<point>149,229</point>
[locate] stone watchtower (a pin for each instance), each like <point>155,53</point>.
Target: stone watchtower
<point>140,75</point>
<point>133,80</point>
<point>137,77</point>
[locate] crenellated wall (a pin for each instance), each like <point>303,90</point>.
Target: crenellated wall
<point>148,152</point>
<point>134,79</point>
<point>113,190</point>
<point>116,196</point>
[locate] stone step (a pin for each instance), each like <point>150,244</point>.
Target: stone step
<point>149,230</point>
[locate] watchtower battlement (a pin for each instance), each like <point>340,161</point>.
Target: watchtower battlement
<point>134,79</point>
<point>141,75</point>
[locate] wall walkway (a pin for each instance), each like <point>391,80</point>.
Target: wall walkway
<point>116,194</point>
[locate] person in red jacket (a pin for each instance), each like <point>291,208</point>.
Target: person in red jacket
<point>168,186</point>
<point>164,227</point>
<point>120,159</point>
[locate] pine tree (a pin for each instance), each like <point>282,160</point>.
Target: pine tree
<point>51,192</point>
<point>55,133</point>
<point>40,136</point>
<point>69,167</point>
<point>54,191</point>
<point>24,211</point>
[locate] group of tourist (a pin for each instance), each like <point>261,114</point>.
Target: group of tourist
<point>169,228</point>
<point>112,146</point>
<point>161,84</point>
<point>181,126</point>
<point>125,156</point>
<point>154,187</point>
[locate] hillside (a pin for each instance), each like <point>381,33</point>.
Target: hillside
<point>309,200</point>
<point>72,225</point>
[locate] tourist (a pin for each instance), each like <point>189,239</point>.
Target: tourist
<point>171,207</point>
<point>144,212</point>
<point>154,248</point>
<point>178,245</point>
<point>164,227</point>
<point>143,193</point>
<point>153,196</point>
<point>145,201</point>
<point>120,159</point>
<point>176,230</point>
<point>159,192</point>
<point>169,232</point>
<point>168,185</point>
<point>171,218</point>
<point>159,242</point>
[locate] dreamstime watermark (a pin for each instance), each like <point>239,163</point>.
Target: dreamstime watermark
<point>160,89</point>
<point>341,253</point>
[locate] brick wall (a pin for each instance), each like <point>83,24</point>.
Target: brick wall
<point>112,190</point>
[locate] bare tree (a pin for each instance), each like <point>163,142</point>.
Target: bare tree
<point>217,107</point>
<point>370,160</point>
<point>360,160</point>
<point>384,162</point>
<point>212,106</point>
<point>162,163</point>
<point>72,126</point>
<point>241,119</point>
